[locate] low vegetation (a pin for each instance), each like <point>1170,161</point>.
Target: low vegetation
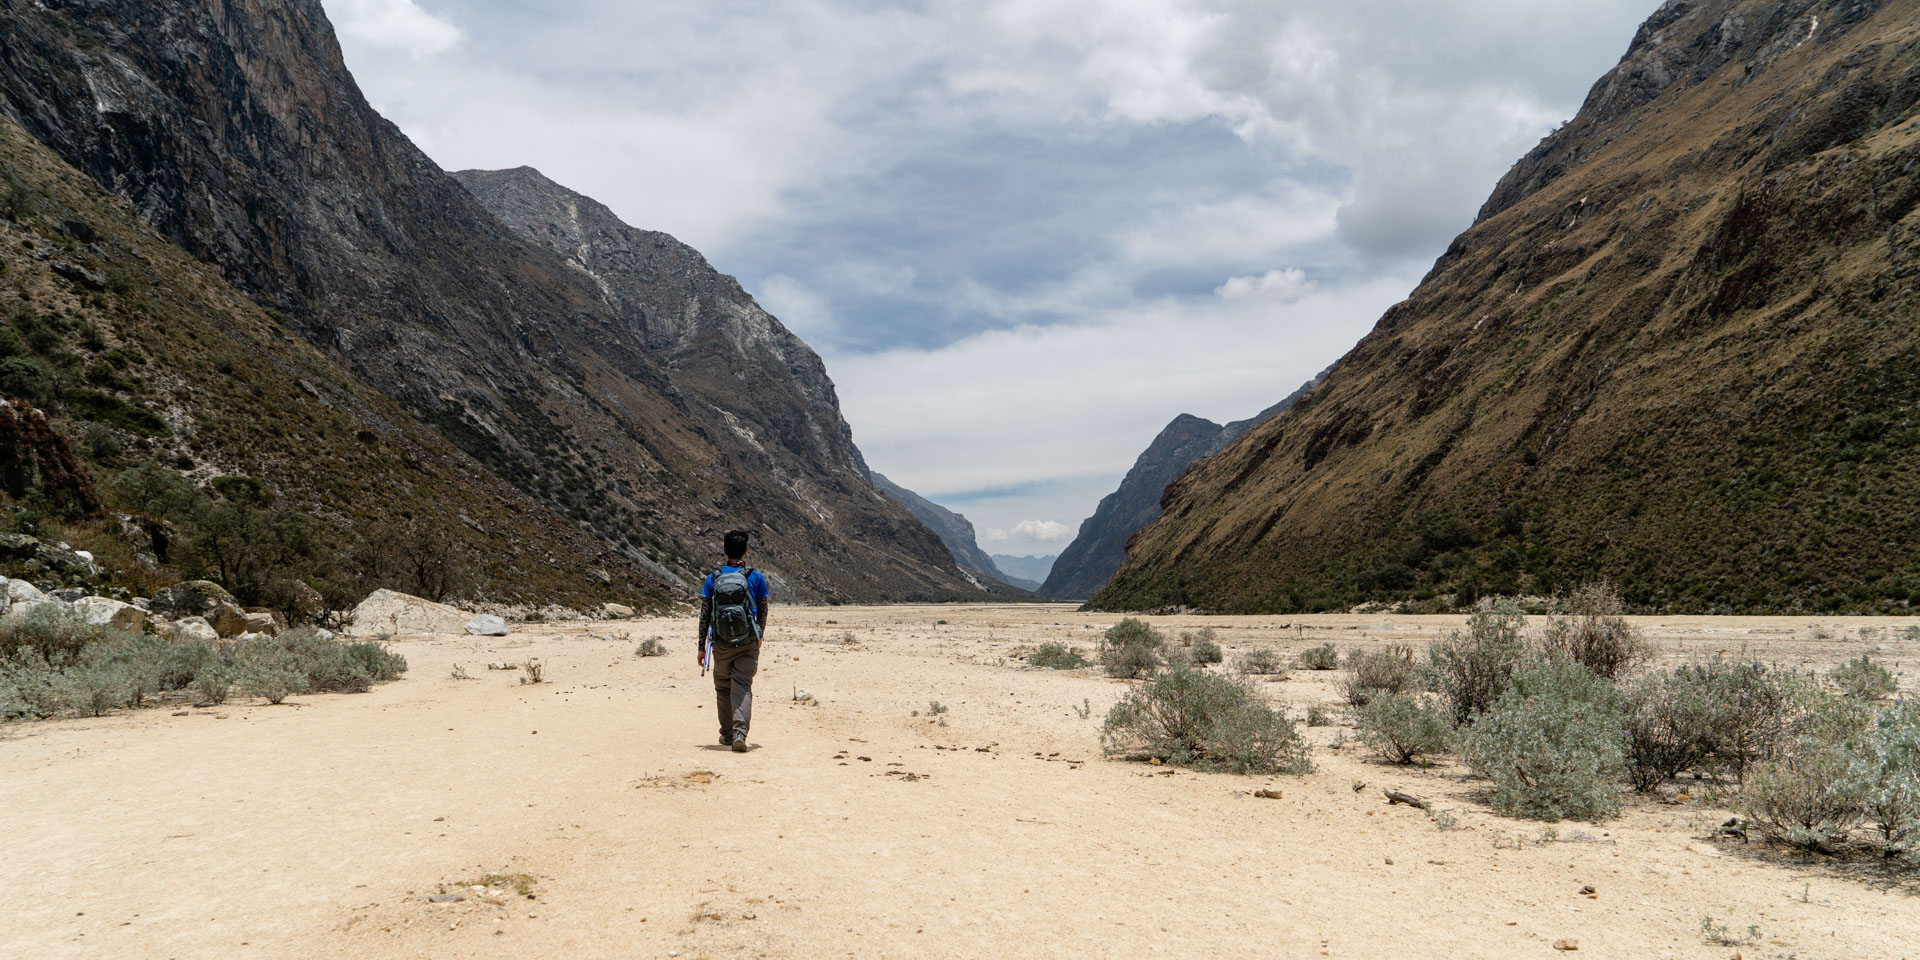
<point>57,665</point>
<point>1470,669</point>
<point>1056,656</point>
<point>651,647</point>
<point>1384,671</point>
<point>1322,657</point>
<point>1204,648</point>
<point>1207,721</point>
<point>1131,648</point>
<point>1404,729</point>
<point>1263,661</point>
<point>1551,744</point>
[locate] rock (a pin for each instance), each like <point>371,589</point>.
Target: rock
<point>1566,945</point>
<point>487,625</point>
<point>59,558</point>
<point>193,598</point>
<point>18,546</point>
<point>228,619</point>
<point>616,611</point>
<point>70,594</point>
<point>387,611</point>
<point>263,622</point>
<point>102,612</point>
<point>79,230</point>
<point>191,628</point>
<point>21,609</point>
<point>79,274</point>
<point>445,898</point>
<point>142,602</point>
<point>1267,794</point>
<point>307,602</point>
<point>249,637</point>
<point>323,634</point>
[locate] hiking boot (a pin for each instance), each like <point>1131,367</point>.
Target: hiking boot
<point>739,744</point>
<point>725,739</point>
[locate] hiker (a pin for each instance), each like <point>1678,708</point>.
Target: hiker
<point>733,622</point>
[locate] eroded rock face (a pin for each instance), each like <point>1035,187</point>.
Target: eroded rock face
<point>953,529</point>
<point>645,397</point>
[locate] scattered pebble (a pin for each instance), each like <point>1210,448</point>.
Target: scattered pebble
<point>1566,944</point>
<point>447,897</point>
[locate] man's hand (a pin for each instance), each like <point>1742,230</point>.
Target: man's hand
<point>700,652</point>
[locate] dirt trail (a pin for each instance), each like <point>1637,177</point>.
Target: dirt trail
<point>855,828</point>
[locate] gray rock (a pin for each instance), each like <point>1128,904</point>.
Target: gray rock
<point>617,611</point>
<point>192,628</point>
<point>20,591</point>
<point>70,594</point>
<point>79,274</point>
<point>18,546</point>
<point>263,622</point>
<point>487,625</point>
<point>142,602</point>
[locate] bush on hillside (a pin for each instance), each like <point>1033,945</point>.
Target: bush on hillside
<point>1382,671</point>
<point>1403,729</point>
<point>1322,657</point>
<point>1471,669</point>
<point>1207,721</point>
<point>1592,632</point>
<point>1551,744</point>
<point>1131,648</point>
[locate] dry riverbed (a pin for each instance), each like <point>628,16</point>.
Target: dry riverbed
<point>326,827</point>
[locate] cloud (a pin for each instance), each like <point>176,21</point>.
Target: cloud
<point>400,24</point>
<point>1031,531</point>
<point>1024,234</point>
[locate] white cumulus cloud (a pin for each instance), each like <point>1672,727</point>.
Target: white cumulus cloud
<point>401,24</point>
<point>1031,531</point>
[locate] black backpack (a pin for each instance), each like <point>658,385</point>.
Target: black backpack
<point>734,623</point>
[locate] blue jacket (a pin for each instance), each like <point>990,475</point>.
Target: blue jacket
<point>756,585</point>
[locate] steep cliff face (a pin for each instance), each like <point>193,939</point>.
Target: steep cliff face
<point>149,361</point>
<point>1676,350</point>
<point>1101,545</point>
<point>235,129</point>
<point>954,530</point>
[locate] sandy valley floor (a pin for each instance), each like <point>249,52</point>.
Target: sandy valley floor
<point>857,829</point>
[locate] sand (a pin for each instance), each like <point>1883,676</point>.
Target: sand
<point>855,828</point>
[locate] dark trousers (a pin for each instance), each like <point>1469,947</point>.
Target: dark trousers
<point>733,669</point>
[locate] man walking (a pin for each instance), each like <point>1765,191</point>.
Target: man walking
<point>733,622</point>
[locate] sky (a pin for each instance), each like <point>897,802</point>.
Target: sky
<point>1023,234</point>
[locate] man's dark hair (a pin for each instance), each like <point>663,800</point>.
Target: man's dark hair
<point>736,544</point>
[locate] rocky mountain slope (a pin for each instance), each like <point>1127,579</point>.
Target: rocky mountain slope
<point>158,374</point>
<point>1101,545</point>
<point>237,132</point>
<point>1025,570</point>
<point>954,530</point>
<point>1676,350</point>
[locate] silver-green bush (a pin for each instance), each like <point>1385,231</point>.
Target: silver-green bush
<point>1403,729</point>
<point>651,647</point>
<point>1591,631</point>
<point>1131,648</point>
<point>1206,648</point>
<point>1322,657</point>
<point>265,669</point>
<point>1863,679</point>
<point>1262,661</point>
<point>1802,794</point>
<point>1470,669</point>
<point>1381,671</point>
<point>1671,727</point>
<point>1056,656</point>
<point>1885,775</point>
<point>1552,744</point>
<point>1207,721</point>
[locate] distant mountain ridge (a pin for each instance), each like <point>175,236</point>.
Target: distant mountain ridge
<point>1676,351</point>
<point>1033,570</point>
<point>1101,545</point>
<point>955,531</point>
<point>599,383</point>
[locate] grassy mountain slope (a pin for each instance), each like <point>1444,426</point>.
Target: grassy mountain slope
<point>1677,350</point>
<point>145,357</point>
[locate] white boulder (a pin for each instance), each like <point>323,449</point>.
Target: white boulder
<point>387,611</point>
<point>104,612</point>
<point>192,628</point>
<point>616,611</point>
<point>20,591</point>
<point>487,625</point>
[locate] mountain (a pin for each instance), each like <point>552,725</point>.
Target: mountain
<point>148,361</point>
<point>594,383</point>
<point>1675,350</point>
<point>955,531</point>
<point>1031,570</point>
<point>1101,545</point>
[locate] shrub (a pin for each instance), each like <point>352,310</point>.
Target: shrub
<point>1750,709</point>
<point>1885,774</point>
<point>1322,657</point>
<point>1206,648</point>
<point>1056,656</point>
<point>376,661</point>
<point>1317,716</point>
<point>326,663</point>
<point>651,647</point>
<point>1470,670</point>
<point>1204,720</point>
<point>52,630</point>
<point>1593,632</point>
<point>1551,744</point>
<point>1404,729</point>
<point>1131,648</point>
<point>1863,679</point>
<point>214,683</point>
<point>92,686</point>
<point>1262,661</point>
<point>1670,727</point>
<point>1388,670</point>
<point>1805,801</point>
<point>26,686</point>
<point>268,670</point>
